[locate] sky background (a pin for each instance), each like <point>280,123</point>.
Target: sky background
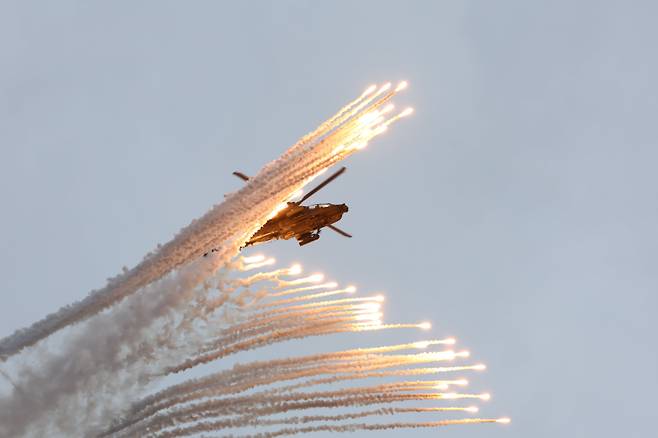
<point>516,209</point>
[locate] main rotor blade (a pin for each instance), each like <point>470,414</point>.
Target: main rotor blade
<point>321,185</point>
<point>339,231</point>
<point>241,176</point>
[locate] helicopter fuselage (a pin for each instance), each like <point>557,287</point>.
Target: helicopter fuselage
<point>298,221</point>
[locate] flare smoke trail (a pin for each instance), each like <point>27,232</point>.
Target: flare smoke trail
<point>247,394</point>
<point>228,225</point>
<point>177,310</point>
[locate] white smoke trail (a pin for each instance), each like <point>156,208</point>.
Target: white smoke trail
<point>226,226</point>
<point>243,377</point>
<point>355,427</point>
<point>246,377</point>
<point>117,352</point>
<point>111,353</point>
<point>263,404</point>
<point>251,421</point>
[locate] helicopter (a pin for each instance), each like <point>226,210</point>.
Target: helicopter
<point>300,221</point>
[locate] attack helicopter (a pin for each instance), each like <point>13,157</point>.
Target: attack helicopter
<point>301,221</point>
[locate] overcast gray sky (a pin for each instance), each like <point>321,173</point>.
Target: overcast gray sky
<point>516,209</point>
